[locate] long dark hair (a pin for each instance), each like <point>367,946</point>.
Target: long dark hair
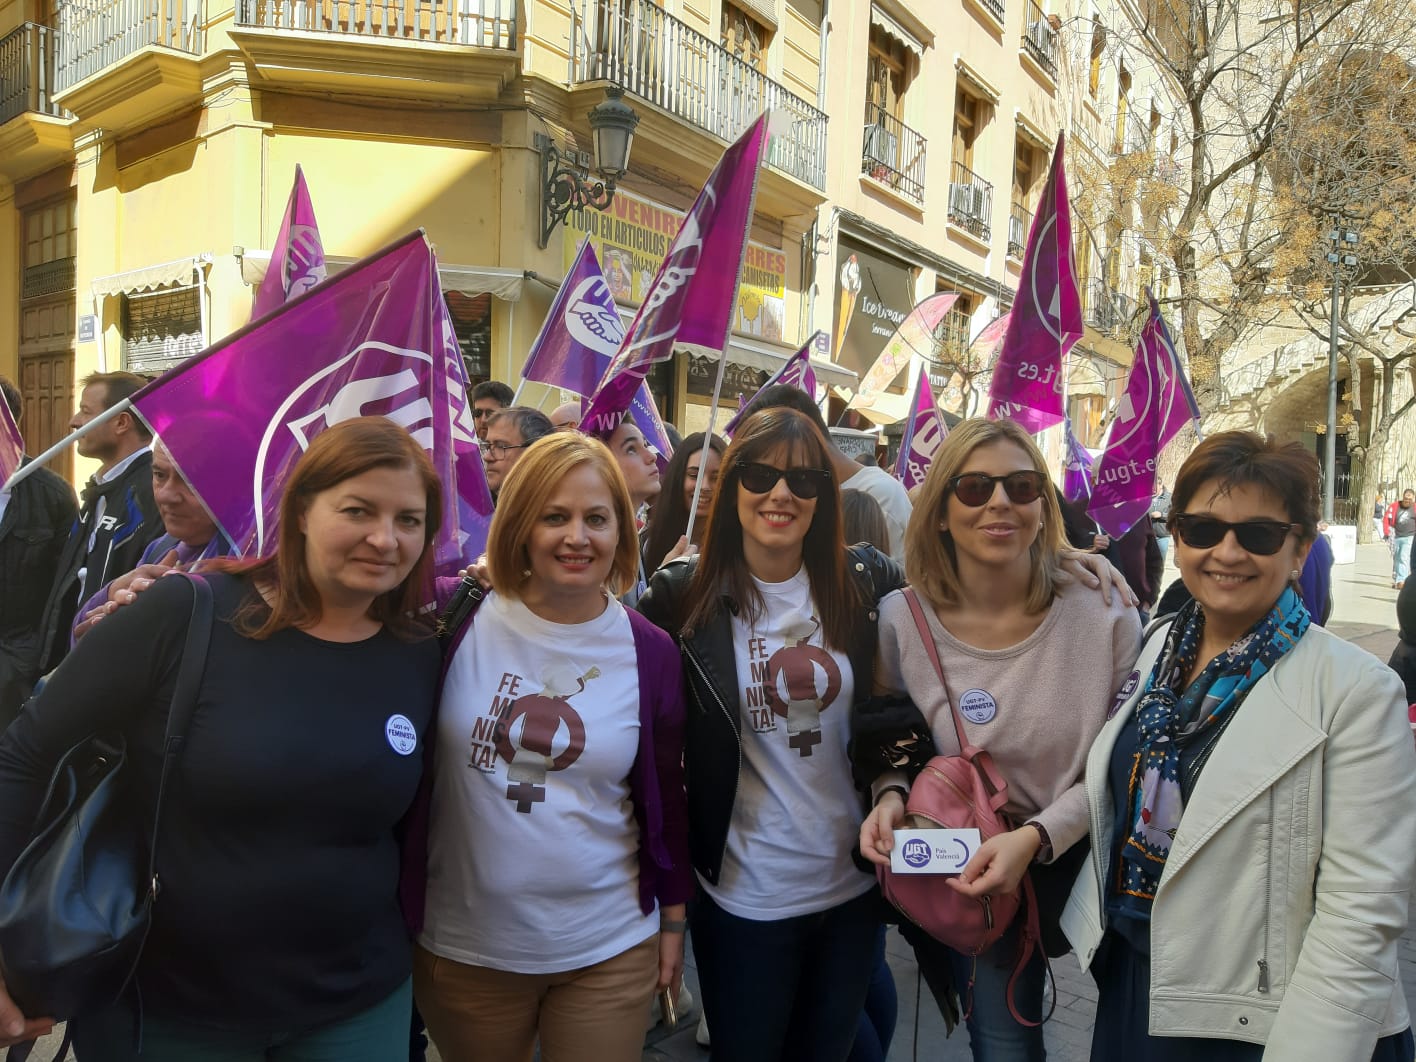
<point>343,451</point>
<point>669,517</point>
<point>721,569</point>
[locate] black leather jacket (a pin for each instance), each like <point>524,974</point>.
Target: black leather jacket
<point>713,740</point>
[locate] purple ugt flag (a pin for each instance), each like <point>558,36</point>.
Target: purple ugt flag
<point>297,261</point>
<point>796,372</point>
<point>924,432</point>
<point>1076,478</point>
<point>578,340</point>
<point>1046,318</point>
<point>691,301</point>
<point>1158,403</point>
<point>12,443</point>
<point>376,340</point>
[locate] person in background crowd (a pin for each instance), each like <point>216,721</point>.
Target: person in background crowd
<point>984,553</point>
<point>1315,584</point>
<point>1160,511</point>
<point>1137,554</point>
<point>118,517</point>
<point>566,416</point>
<point>1403,657</point>
<point>191,538</point>
<point>867,459</point>
<point>776,621</point>
<point>863,520</point>
<point>879,484</point>
<point>1398,528</point>
<point>1254,802</point>
<point>279,932</point>
<point>664,533</point>
<point>639,464</point>
<point>488,397</point>
<point>508,433</point>
<point>557,849</point>
<point>1379,515</point>
<point>34,519</point>
<point>1080,530</point>
<point>672,433</point>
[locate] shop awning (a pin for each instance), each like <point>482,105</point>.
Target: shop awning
<point>504,284</point>
<point>181,272</point>
<point>887,23</point>
<point>756,354</point>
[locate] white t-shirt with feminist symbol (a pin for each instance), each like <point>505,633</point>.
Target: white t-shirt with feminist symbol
<point>796,815</point>
<point>533,854</point>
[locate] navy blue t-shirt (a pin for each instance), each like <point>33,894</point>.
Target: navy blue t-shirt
<point>277,856</point>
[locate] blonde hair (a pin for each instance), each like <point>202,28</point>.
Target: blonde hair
<point>524,494</point>
<point>930,563</point>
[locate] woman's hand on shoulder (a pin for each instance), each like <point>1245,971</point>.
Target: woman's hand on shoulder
<point>999,864</point>
<point>1097,572</point>
<point>15,1028</point>
<point>877,832</point>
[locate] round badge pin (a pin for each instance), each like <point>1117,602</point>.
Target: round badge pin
<point>402,735</point>
<point>978,706</point>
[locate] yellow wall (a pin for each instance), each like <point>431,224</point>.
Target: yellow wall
<point>10,259</point>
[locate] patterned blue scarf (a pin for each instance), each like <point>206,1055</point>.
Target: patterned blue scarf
<point>1169,714</point>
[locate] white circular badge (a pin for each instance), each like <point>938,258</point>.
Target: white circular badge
<point>978,706</point>
<point>402,737</point>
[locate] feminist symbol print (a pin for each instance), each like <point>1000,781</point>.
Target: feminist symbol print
<point>529,750</point>
<point>802,682</point>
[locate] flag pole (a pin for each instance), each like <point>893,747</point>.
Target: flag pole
<point>123,406</point>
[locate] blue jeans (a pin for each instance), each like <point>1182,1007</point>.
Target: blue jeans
<point>1164,544</point>
<point>786,990</point>
<point>875,1027</point>
<point>994,1034</point>
<point>377,1034</point>
<point>1401,558</point>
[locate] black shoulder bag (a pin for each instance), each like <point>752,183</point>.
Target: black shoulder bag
<point>76,906</point>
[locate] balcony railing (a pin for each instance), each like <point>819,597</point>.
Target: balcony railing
<point>642,48</point>
<point>995,6</point>
<point>1039,38</point>
<point>1019,223</point>
<point>480,23</point>
<point>95,35</point>
<point>951,337</point>
<point>1107,310</point>
<point>893,152</point>
<point>970,201</point>
<point>27,72</point>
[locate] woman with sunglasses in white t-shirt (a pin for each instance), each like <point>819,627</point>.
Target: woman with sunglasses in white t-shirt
<point>1034,659</point>
<point>776,619</point>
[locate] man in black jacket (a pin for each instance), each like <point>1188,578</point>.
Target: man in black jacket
<point>34,519</point>
<point>117,515</point>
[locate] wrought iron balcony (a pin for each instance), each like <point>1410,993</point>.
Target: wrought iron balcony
<point>893,153</point>
<point>479,23</point>
<point>95,36</point>
<point>1019,224</point>
<point>970,201</point>
<point>27,72</point>
<point>1039,38</point>
<point>1107,311</point>
<point>642,48</point>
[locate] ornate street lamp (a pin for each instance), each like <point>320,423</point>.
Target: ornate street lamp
<point>565,186</point>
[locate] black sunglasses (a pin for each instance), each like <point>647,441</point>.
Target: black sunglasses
<point>1261,537</point>
<point>805,483</point>
<point>976,488</point>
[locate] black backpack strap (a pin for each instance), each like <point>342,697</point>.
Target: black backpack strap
<point>465,601</point>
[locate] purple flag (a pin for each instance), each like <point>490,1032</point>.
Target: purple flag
<point>12,443</point>
<point>1076,478</point>
<point>578,340</point>
<point>376,340</point>
<point>1046,319</point>
<point>1157,404</point>
<point>796,372</point>
<point>687,306</point>
<point>924,432</point>
<point>297,261</point>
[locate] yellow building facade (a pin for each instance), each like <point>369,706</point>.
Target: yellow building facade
<point>147,149</point>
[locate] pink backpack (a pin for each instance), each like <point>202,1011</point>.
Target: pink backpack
<point>960,792</point>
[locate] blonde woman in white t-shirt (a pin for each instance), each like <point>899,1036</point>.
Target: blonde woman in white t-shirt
<point>1035,660</point>
<point>557,869</point>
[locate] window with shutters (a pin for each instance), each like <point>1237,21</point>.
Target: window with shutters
<point>49,249</point>
<point>160,329</point>
<point>887,73</point>
<point>745,37</point>
<point>472,324</point>
<point>1098,49</point>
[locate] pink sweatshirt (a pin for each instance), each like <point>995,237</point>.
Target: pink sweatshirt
<point>1036,706</point>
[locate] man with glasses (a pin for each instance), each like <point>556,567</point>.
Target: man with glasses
<point>506,434</point>
<point>488,397</point>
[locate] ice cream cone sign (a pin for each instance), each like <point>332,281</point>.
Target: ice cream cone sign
<point>850,291</point>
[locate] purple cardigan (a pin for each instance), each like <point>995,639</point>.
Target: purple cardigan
<point>655,783</point>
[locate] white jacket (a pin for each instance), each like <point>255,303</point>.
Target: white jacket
<point>1278,915</point>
